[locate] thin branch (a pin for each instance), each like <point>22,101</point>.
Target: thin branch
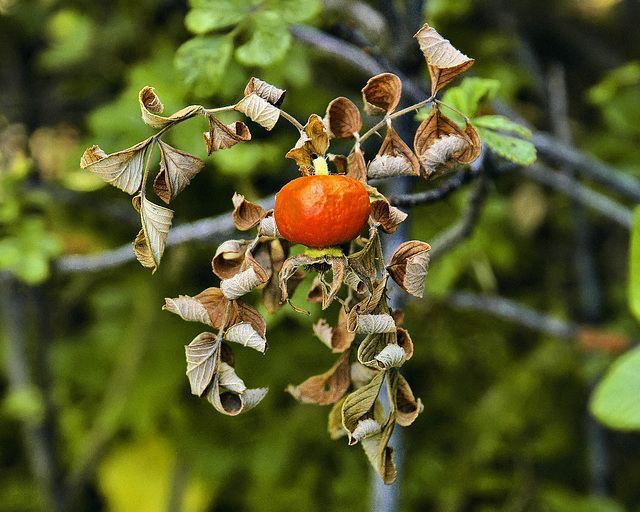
<point>464,227</point>
<point>580,193</point>
<point>211,230</point>
<point>437,194</point>
<point>514,312</point>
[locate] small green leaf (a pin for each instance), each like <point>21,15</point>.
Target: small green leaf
<point>501,124</point>
<point>634,266</point>
<point>208,15</point>
<point>616,400</point>
<point>470,94</point>
<point>296,11</point>
<point>517,150</point>
<point>203,61</point>
<point>269,40</point>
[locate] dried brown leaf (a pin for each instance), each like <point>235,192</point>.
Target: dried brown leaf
<point>408,266</point>
<point>441,145</point>
<point>394,158</point>
<point>371,323</point>
<point>360,404</point>
<point>259,110</point>
<point>122,169</point>
<point>356,165</point>
<point>444,61</point>
<point>241,283</point>
<point>177,168</point>
<point>151,106</point>
<point>381,455</point>
<point>189,309</point>
<point>202,360</point>
<point>338,338</point>
<point>156,221</point>
<point>343,119</point>
<point>404,341</point>
<point>386,216</point>
<point>232,403</point>
<point>382,94</point>
<point>246,215</point>
<point>380,351</point>
<point>327,388</point>
<point>248,314</point>
<point>223,136</point>
<point>218,307</point>
<point>472,153</point>
<point>407,407</point>
<point>266,91</point>
<point>229,257</point>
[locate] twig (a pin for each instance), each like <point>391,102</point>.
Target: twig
<point>578,192</point>
<point>37,440</point>
<point>212,230</point>
<point>514,312</point>
<point>464,228</point>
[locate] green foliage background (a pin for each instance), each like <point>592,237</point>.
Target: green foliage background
<point>505,426</point>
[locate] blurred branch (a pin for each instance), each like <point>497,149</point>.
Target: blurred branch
<point>38,441</point>
<point>514,312</point>
<point>580,193</point>
<point>211,230</point>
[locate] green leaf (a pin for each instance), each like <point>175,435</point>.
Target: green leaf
<point>616,400</point>
<point>471,94</point>
<point>517,150</point>
<point>269,41</point>
<point>202,61</point>
<point>296,11</point>
<point>634,266</point>
<point>501,124</point>
<point>208,15</point>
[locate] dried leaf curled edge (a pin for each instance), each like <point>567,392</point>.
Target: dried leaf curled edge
<point>408,266</point>
<point>381,94</point>
<point>177,168</point>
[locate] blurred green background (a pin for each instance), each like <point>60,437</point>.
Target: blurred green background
<point>96,412</point>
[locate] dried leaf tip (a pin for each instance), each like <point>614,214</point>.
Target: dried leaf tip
<point>381,94</point>
<point>445,62</point>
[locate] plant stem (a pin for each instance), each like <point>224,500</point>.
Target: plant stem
<point>292,120</point>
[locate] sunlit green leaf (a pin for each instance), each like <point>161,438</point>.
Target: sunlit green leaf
<point>634,266</point>
<point>208,15</point>
<point>616,399</point>
<point>296,11</point>
<point>203,61</point>
<point>512,148</point>
<point>269,40</point>
<point>501,124</point>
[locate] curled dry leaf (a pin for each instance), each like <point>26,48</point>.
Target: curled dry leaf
<point>313,142</point>
<point>338,338</point>
<point>371,324</point>
<point>343,119</point>
<point>441,145</point>
<point>245,334</point>
<point>268,227</point>
<point>386,216</point>
<point>223,136</point>
<point>151,241</point>
<point>360,404</point>
<point>228,378</point>
<point>327,388</point>
<point>177,168</point>
<point>390,356</point>
<point>246,215</point>
<point>407,407</point>
<point>259,110</point>
<point>382,94</point>
<point>356,165</point>
<point>241,284</point>
<point>231,403</point>
<point>381,455</point>
<point>394,158</point>
<point>408,266</point>
<point>229,257</point>
<point>248,314</point>
<point>122,169</point>
<point>202,359</point>
<point>361,375</point>
<point>366,428</point>
<point>404,341</point>
<point>188,309</point>
<point>265,90</point>
<point>445,62</point>
<point>151,106</point>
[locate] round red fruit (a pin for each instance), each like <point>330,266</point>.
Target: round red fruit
<point>322,211</point>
